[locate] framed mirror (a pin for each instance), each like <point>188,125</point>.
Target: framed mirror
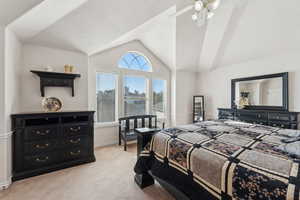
<point>198,109</point>
<point>267,92</point>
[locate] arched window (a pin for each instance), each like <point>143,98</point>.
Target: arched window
<point>135,61</point>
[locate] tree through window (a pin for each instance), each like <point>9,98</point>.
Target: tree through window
<point>135,61</point>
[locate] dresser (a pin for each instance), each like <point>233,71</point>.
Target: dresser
<point>281,119</point>
<point>45,142</point>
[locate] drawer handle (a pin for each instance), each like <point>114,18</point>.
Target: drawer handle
<point>75,129</point>
<point>282,126</point>
<point>42,160</point>
<point>42,133</point>
<point>42,146</point>
<point>75,153</point>
<point>75,141</point>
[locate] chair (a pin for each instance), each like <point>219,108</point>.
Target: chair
<point>127,125</point>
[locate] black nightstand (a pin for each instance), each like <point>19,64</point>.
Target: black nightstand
<point>144,136</point>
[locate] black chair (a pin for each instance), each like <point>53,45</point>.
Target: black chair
<point>127,125</point>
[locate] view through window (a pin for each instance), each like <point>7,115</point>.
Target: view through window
<point>134,95</point>
<point>135,61</point>
<point>158,92</point>
<point>106,97</point>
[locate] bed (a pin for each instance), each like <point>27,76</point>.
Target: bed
<point>225,160</point>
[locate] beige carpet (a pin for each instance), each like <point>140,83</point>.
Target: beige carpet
<point>109,178</point>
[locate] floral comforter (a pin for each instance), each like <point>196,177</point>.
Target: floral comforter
<point>232,160</point>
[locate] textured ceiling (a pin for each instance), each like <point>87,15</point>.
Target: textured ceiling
<point>98,23</point>
<point>12,9</point>
<point>266,28</point>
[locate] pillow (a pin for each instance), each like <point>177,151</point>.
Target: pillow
<point>288,133</point>
<point>293,149</point>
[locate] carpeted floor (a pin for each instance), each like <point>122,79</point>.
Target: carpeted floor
<point>109,178</point>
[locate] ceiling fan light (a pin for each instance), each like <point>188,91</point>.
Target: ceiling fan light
<point>210,15</point>
<point>198,6</point>
<point>195,17</point>
<point>213,4</point>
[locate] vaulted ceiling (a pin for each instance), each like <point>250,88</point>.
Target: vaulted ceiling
<point>239,31</point>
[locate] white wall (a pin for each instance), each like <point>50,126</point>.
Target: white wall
<point>184,92</point>
<point>13,64</point>
<point>12,61</point>
<point>37,58</point>
<point>2,81</point>
<point>107,61</point>
<point>216,85</point>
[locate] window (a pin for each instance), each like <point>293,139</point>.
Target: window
<point>135,61</point>
<point>158,92</point>
<point>134,95</point>
<point>106,97</point>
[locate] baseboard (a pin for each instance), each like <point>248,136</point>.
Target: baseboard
<point>5,184</point>
<point>4,140</point>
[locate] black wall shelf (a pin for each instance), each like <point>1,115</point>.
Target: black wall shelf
<point>55,79</point>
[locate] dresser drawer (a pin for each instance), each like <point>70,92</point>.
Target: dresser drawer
<point>285,125</point>
<point>36,133</point>
<point>75,130</point>
<point>74,154</point>
<point>279,116</point>
<point>253,116</point>
<point>42,160</point>
<point>76,141</point>
<point>40,146</point>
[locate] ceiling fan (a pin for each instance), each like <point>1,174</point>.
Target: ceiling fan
<point>203,10</point>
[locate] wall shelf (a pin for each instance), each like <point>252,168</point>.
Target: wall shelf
<point>55,79</point>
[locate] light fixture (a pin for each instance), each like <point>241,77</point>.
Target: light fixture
<point>203,10</point>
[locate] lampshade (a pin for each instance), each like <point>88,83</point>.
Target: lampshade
<point>198,6</point>
<point>195,17</point>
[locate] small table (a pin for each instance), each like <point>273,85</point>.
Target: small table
<point>144,136</point>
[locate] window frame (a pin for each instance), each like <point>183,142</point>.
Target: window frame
<point>165,93</point>
<point>146,98</point>
<point>137,70</point>
<point>120,74</point>
<point>116,75</point>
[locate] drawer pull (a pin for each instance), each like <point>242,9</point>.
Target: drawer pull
<point>75,153</point>
<point>282,126</point>
<point>75,129</point>
<point>75,141</point>
<point>42,146</point>
<point>42,133</point>
<point>42,160</point>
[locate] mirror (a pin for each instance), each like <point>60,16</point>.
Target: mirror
<point>262,92</point>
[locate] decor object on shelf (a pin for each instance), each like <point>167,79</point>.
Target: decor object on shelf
<point>198,109</point>
<point>51,104</point>
<point>204,10</point>
<point>46,142</point>
<point>56,79</point>
<point>48,69</point>
<point>69,68</point>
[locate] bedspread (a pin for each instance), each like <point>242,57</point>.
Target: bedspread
<point>231,160</point>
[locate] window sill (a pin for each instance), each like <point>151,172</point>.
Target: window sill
<point>106,125</point>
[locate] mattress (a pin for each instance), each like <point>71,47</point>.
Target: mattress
<point>229,159</point>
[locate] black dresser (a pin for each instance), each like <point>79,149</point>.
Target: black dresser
<point>45,142</point>
<point>282,119</point>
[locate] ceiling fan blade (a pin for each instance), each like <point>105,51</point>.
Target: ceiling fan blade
<point>183,10</point>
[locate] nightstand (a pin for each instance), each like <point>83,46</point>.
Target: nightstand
<point>144,136</point>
